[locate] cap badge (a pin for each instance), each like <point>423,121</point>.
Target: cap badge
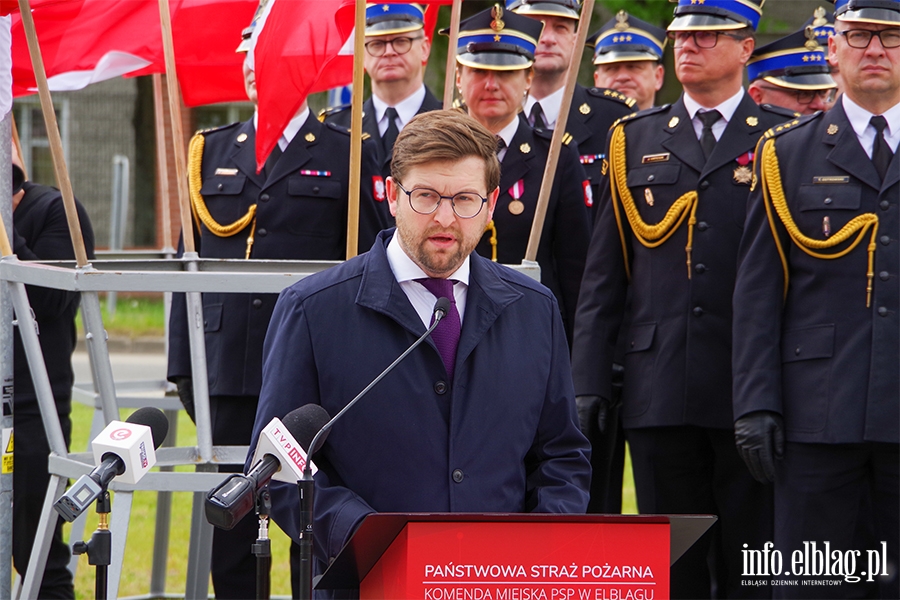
<point>621,21</point>
<point>819,17</point>
<point>812,42</point>
<point>497,23</point>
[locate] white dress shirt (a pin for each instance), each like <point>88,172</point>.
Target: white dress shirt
<point>726,109</point>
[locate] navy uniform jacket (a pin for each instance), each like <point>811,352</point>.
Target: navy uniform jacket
<point>592,113</point>
<point>298,216</point>
<point>817,354</point>
<point>41,232</point>
<point>678,345</point>
<point>566,232</point>
<point>510,442</point>
<point>341,116</point>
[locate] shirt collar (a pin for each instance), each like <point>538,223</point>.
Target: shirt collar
<point>406,109</point>
<point>405,269</point>
<point>726,109</point>
<point>550,106</point>
<point>509,132</point>
<point>859,117</point>
<point>295,125</point>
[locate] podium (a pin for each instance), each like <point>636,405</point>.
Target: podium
<point>458,556</point>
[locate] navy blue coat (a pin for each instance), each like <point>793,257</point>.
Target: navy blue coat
<point>512,443</point>
<point>298,216</point>
<point>678,345</point>
<point>818,355</point>
<point>566,233</point>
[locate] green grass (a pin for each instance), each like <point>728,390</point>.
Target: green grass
<point>135,316</point>
<point>139,546</point>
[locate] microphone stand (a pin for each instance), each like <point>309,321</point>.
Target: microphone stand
<point>99,549</point>
<point>305,485</point>
<point>262,549</point>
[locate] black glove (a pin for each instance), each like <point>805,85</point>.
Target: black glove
<point>592,412</point>
<point>759,437</point>
<point>186,394</point>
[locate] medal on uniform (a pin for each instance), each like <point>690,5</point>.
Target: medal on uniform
<point>743,174</point>
<point>826,226</point>
<point>516,206</point>
<point>648,197</point>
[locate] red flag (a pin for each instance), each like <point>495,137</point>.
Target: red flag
<point>295,54</point>
<point>303,47</point>
<point>85,41</point>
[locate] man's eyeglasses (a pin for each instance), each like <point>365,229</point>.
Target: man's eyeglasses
<point>861,38</point>
<point>806,97</point>
<point>425,201</point>
<point>702,39</point>
<point>401,45</point>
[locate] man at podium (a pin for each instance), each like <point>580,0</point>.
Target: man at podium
<point>479,418</point>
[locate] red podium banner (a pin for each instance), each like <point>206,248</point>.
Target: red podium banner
<point>513,557</point>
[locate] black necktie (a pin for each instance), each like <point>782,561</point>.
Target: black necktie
<point>273,158</point>
<point>501,148</point>
<point>391,133</point>
<point>537,116</point>
<point>881,152</point>
<point>707,139</point>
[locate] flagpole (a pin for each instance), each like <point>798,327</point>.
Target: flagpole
<point>540,213</point>
<point>356,130</point>
<point>449,78</point>
<point>162,167</point>
<point>56,149</point>
<point>187,230</point>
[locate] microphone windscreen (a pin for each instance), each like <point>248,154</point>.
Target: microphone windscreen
<point>305,422</point>
<point>154,419</point>
<point>442,305</point>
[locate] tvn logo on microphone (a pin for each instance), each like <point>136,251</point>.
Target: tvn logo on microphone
<point>275,439</point>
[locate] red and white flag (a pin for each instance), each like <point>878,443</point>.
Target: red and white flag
<point>86,41</point>
<point>302,47</point>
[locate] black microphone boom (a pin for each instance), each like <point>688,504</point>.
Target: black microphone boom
<point>441,307</point>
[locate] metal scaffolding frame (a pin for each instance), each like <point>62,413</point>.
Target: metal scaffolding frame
<point>193,276</point>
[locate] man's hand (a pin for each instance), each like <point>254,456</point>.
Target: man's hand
<point>186,395</point>
<point>592,412</point>
<point>760,440</point>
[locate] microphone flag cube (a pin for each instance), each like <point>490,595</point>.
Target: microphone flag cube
<point>275,439</point>
<point>131,442</point>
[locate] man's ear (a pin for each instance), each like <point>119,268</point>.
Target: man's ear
<point>391,190</point>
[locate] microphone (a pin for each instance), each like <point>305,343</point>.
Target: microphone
<point>123,449</point>
<point>280,454</point>
<point>441,307</point>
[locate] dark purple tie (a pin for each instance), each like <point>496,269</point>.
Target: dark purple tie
<point>446,334</point>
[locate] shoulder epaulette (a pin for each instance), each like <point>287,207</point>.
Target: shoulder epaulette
<point>780,111</point>
<point>338,128</point>
<point>611,94</point>
<point>642,113</point>
<point>219,128</point>
<point>332,110</point>
<point>792,124</point>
